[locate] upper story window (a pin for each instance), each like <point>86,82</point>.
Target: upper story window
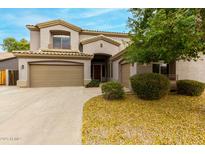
<point>61,42</point>
<point>60,39</point>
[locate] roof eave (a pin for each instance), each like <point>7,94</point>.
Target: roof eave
<point>52,56</point>
<point>112,34</point>
<point>59,22</point>
<point>7,59</point>
<point>37,27</point>
<point>118,55</point>
<point>38,55</point>
<point>100,37</point>
<point>32,28</point>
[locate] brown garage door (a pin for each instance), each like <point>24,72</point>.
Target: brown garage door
<point>125,74</point>
<point>56,75</point>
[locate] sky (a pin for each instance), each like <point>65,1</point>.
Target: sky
<point>13,21</point>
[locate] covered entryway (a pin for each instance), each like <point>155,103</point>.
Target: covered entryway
<point>125,74</point>
<point>44,75</point>
<point>100,69</point>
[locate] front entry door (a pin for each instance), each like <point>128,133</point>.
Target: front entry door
<point>97,72</point>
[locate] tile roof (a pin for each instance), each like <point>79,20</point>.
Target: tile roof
<point>100,37</point>
<point>100,31</point>
<point>37,27</point>
<point>53,53</point>
<point>6,55</point>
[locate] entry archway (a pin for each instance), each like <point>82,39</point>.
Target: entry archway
<point>100,67</point>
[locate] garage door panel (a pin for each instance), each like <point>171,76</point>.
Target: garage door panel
<point>56,75</point>
<point>125,74</point>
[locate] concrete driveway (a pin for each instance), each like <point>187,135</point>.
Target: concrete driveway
<point>42,115</point>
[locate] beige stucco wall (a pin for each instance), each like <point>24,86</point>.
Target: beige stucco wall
<point>34,40</point>
<point>116,71</point>
<point>122,40</point>
<point>45,36</point>
<point>133,69</point>
<point>191,70</point>
<point>95,47</point>
<point>24,73</point>
<point>41,40</point>
<point>83,37</point>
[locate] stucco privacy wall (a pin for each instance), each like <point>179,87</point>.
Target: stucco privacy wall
<point>45,36</point>
<point>24,73</point>
<point>121,40</point>
<point>191,70</point>
<point>95,47</point>
<point>34,40</point>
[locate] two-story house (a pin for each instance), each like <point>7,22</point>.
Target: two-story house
<point>62,54</point>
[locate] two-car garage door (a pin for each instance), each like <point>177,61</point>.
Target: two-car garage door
<point>42,75</point>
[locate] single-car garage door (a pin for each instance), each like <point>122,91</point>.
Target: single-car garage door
<point>125,74</point>
<point>56,75</point>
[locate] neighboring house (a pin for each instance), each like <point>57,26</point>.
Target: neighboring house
<point>8,69</point>
<point>62,54</point>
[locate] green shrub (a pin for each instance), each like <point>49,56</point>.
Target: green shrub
<point>93,83</point>
<point>112,90</point>
<point>190,87</point>
<point>150,86</point>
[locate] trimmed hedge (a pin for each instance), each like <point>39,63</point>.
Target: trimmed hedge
<point>150,86</point>
<point>93,83</point>
<point>112,90</point>
<point>190,87</point>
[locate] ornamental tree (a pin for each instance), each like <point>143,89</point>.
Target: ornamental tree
<point>10,44</point>
<point>166,34</point>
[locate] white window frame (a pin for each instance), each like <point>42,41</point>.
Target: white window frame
<point>160,64</point>
<point>62,36</point>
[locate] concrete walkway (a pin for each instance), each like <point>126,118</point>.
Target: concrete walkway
<point>42,115</point>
